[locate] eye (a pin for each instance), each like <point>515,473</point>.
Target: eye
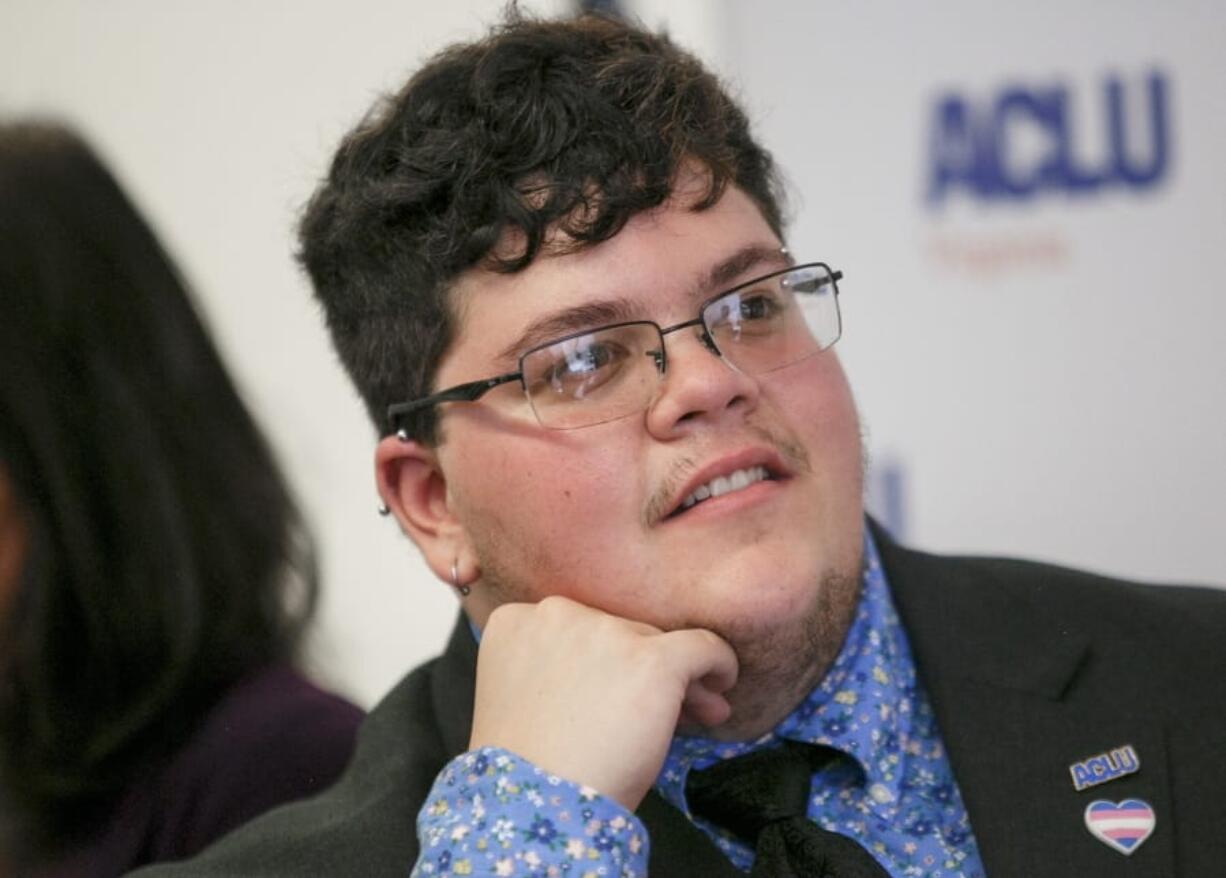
<point>759,306</point>
<point>576,370</point>
<point>749,313</point>
<point>585,361</point>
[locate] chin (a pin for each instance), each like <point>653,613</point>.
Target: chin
<point>784,644</point>
<point>772,584</point>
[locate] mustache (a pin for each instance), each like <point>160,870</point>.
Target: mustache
<point>664,497</point>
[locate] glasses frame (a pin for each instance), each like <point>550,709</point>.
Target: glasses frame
<point>471,391</point>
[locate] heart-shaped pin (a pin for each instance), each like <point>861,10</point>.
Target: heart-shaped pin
<point>1121,825</point>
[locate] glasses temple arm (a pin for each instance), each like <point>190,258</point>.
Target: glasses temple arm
<point>469,392</point>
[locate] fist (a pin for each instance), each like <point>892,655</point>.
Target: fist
<point>593,697</point>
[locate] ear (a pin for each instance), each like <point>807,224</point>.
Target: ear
<point>413,487</point>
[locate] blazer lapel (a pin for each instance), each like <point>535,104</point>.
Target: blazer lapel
<point>1006,683</point>
<point>454,686</point>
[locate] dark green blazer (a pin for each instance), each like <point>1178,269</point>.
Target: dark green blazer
<point>1030,668</point>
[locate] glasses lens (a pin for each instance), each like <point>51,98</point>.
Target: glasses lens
<point>595,377</point>
<point>777,320</point>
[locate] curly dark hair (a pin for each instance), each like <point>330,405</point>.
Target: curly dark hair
<point>542,126</point>
<point>165,557</point>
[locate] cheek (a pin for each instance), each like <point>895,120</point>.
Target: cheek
<point>838,428</point>
<point>816,400</point>
<point>546,508</point>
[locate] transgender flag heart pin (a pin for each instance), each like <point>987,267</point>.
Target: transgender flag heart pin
<point>1123,825</point>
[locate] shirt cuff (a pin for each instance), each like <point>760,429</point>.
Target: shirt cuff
<point>491,812</point>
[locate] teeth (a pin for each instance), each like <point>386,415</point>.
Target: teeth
<point>719,485</point>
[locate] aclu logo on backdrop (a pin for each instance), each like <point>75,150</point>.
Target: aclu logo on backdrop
<point>1023,142</point>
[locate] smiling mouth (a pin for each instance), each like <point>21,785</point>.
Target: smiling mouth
<point>737,480</point>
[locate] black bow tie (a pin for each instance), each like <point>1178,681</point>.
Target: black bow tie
<point>763,798</point>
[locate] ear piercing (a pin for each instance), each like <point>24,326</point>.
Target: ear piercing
<point>403,435</point>
<point>464,590</point>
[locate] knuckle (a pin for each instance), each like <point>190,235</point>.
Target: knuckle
<point>552,602</point>
<point>555,607</point>
<point>505,616</point>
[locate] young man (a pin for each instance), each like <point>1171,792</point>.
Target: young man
<point>614,423</point>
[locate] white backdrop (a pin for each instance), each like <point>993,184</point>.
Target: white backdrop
<point>1044,378</point>
<point>1048,372</point>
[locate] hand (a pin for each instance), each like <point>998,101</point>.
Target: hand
<point>593,697</point>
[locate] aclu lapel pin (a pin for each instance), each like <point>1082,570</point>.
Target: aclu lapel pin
<point>1121,825</point>
<point>1117,762</point>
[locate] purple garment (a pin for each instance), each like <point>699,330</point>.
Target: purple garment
<point>274,737</point>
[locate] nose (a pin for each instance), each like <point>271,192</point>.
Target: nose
<point>699,388</point>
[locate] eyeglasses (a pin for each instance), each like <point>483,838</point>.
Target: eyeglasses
<point>602,374</point>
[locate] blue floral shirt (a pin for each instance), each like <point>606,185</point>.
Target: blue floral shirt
<point>893,791</point>
<point>493,813</point>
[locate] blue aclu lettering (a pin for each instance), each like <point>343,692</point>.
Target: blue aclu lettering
<point>974,146</point>
<point>1104,767</point>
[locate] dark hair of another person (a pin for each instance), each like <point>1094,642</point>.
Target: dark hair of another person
<point>542,126</point>
<point>166,558</point>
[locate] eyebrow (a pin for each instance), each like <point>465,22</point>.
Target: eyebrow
<point>571,320</point>
<point>724,273</point>
<point>592,315</point>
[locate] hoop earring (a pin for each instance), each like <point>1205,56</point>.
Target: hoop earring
<point>464,590</point>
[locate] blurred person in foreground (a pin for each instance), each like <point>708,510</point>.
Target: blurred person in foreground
<point>155,576</point>
<point>613,421</point>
